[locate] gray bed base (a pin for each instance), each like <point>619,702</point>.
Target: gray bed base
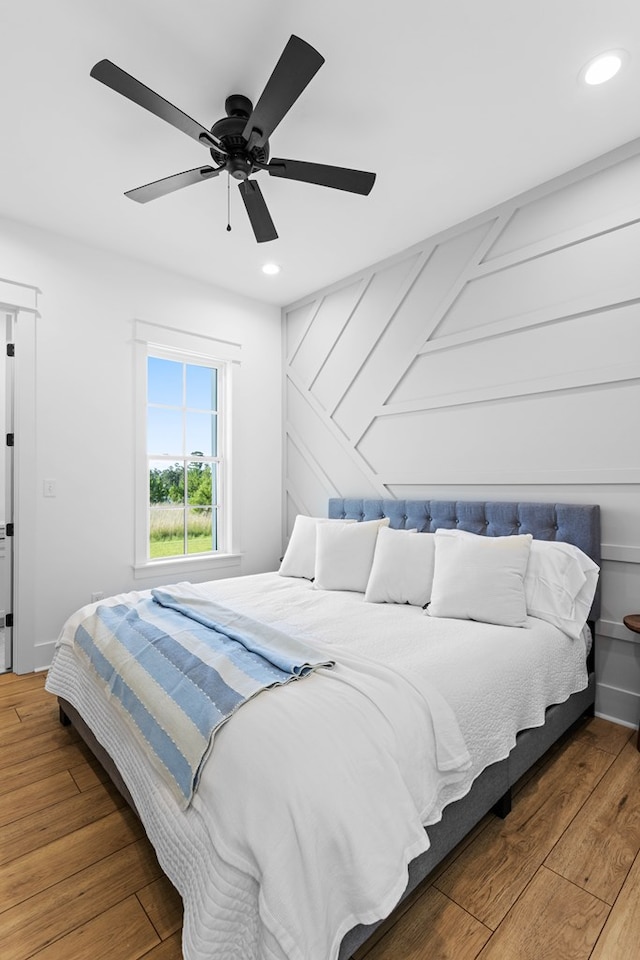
<point>578,524</point>
<point>491,791</point>
<point>69,715</point>
<point>573,523</point>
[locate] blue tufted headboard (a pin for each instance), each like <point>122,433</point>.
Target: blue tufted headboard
<point>574,523</point>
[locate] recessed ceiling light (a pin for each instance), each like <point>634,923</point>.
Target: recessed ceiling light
<point>270,269</point>
<point>603,67</point>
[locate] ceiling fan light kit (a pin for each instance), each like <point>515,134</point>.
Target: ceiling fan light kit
<point>239,142</point>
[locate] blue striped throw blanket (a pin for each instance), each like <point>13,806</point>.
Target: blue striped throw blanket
<point>176,666</point>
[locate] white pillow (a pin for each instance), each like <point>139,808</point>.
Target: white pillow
<point>344,554</point>
<point>480,578</point>
<point>560,584</point>
<point>402,570</point>
<point>300,556</point>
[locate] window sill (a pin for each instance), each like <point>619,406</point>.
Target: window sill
<point>152,569</point>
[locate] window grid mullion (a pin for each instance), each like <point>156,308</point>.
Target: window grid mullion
<point>185,458</point>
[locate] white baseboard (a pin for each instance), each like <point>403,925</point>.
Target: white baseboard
<point>43,655</point>
<point>616,630</point>
<point>621,723</point>
<point>619,706</point>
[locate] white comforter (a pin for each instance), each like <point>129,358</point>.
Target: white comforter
<point>314,798</point>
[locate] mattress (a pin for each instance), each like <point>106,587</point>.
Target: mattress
<point>315,797</point>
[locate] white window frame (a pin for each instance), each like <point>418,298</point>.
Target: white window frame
<point>166,342</point>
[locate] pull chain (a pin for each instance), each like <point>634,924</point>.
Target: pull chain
<point>228,203</point>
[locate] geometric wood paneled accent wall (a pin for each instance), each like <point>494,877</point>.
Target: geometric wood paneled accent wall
<point>504,352</point>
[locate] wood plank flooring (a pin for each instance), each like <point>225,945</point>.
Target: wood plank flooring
<point>559,879</point>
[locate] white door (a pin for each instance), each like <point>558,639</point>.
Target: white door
<point>6,494</point>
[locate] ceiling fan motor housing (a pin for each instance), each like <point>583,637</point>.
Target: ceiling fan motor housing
<point>238,161</point>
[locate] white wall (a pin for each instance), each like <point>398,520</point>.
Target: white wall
<point>82,540</point>
<point>497,360</point>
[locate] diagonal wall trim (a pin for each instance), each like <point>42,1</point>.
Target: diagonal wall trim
<point>338,435</point>
<point>575,380</point>
<point>601,303</point>
<point>495,227</point>
<point>507,364</point>
<point>364,286</point>
<point>569,238</point>
<point>312,463</point>
<point>312,315</point>
<point>403,293</point>
<point>298,503</point>
<point>405,363</point>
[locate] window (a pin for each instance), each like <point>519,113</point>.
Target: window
<point>184,490</point>
<point>183,456</point>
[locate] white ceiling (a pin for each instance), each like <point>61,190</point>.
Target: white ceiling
<point>455,105</point>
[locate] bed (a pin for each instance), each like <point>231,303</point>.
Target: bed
<point>322,805</point>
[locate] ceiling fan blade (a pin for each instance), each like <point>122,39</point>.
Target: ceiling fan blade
<point>112,76</point>
<point>257,210</point>
<point>340,178</point>
<point>298,64</point>
<point>159,188</point>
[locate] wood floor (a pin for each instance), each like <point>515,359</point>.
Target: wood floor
<point>559,879</point>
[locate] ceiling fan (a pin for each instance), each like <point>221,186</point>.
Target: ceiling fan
<point>239,142</point>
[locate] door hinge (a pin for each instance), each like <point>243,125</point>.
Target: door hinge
<point>8,620</point>
<point>11,349</point>
<point>10,439</point>
<point>9,529</point>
